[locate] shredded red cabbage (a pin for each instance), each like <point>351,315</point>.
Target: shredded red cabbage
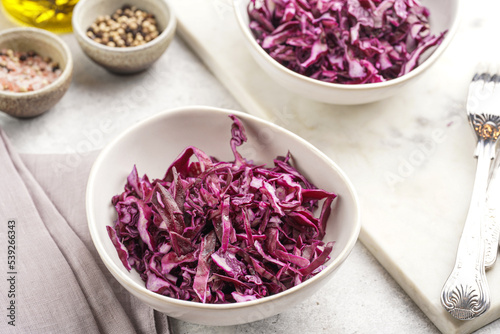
<point>344,41</point>
<point>221,232</point>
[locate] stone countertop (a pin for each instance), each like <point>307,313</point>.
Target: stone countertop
<point>361,298</point>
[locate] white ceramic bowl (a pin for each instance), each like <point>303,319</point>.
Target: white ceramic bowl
<point>444,15</point>
<point>47,44</point>
<point>153,145</point>
<point>130,59</point>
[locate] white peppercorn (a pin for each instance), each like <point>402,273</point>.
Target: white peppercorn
<point>127,26</point>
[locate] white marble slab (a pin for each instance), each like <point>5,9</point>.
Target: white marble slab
<point>410,156</point>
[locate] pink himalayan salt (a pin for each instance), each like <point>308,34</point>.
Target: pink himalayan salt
<point>26,71</point>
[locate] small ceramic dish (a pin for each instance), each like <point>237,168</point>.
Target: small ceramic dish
<point>444,16</point>
<point>123,60</point>
<point>47,44</point>
<point>209,129</point>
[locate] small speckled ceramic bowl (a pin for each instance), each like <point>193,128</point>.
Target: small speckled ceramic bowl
<point>47,44</point>
<point>125,60</point>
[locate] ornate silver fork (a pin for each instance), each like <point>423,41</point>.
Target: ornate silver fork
<point>465,294</point>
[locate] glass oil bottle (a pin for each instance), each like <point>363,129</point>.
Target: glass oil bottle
<point>52,15</point>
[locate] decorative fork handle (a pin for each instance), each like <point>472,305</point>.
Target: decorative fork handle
<point>465,294</point>
<point>491,225</point>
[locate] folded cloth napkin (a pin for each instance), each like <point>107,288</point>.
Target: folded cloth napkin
<point>52,279</point>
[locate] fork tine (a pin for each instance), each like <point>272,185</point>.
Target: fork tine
<point>489,86</point>
<point>495,78</point>
<point>472,103</point>
<point>482,90</point>
<point>486,68</point>
<point>485,77</point>
<point>475,94</point>
<point>477,75</point>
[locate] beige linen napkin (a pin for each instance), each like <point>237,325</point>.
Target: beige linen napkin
<point>52,280</point>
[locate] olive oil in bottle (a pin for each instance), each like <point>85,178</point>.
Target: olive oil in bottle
<point>53,15</point>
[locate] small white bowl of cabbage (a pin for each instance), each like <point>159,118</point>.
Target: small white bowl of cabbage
<point>346,52</point>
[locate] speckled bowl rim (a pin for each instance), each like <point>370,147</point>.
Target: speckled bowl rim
<point>66,73</point>
<point>112,266</point>
<point>165,33</point>
<point>358,87</point>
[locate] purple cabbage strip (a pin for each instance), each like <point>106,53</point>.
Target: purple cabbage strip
<point>120,248</point>
<point>223,232</point>
<point>344,41</point>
